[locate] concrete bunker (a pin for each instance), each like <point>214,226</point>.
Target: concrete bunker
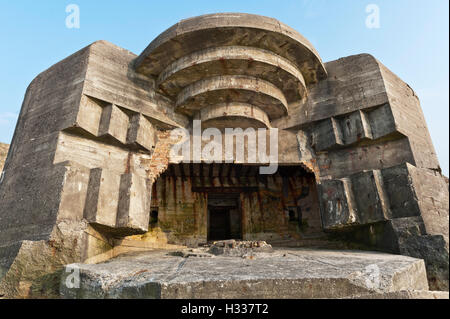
<point>90,156</point>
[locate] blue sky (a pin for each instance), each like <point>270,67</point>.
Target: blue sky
<point>412,40</point>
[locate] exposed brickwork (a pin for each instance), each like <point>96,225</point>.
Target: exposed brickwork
<point>160,158</point>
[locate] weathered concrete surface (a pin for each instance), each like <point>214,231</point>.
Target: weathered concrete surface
<point>292,273</point>
<point>3,153</point>
<point>239,248</point>
<point>60,137</point>
<point>28,222</point>
<point>33,268</point>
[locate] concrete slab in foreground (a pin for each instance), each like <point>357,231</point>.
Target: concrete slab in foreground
<point>285,273</point>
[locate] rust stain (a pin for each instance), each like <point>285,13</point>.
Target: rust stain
<point>154,193</point>
<point>243,215</point>
<point>330,192</point>
<point>261,210</point>
<point>359,137</point>
<point>283,45</point>
<point>292,188</point>
<point>250,208</point>
<point>223,64</point>
<point>250,63</point>
<point>164,191</point>
<point>174,188</point>
<point>162,89</point>
<point>183,189</point>
<point>235,92</point>
<point>140,272</point>
<point>128,164</point>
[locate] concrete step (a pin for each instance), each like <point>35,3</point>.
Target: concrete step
<point>284,273</point>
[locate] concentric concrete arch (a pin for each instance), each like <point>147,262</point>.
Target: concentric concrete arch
<point>227,89</point>
<point>204,51</point>
<point>225,29</point>
<point>233,60</point>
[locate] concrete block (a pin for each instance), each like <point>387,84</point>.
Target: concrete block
<point>141,132</point>
<point>433,199</point>
<point>338,204</point>
<point>114,122</point>
<point>73,194</point>
<point>102,197</point>
<point>433,249</point>
<point>371,201</point>
<point>89,115</point>
<point>381,121</point>
<point>399,187</point>
<point>134,203</point>
<point>326,135</point>
<point>354,128</point>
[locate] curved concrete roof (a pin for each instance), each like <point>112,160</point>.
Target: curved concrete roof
<point>228,89</point>
<point>232,59</point>
<point>225,29</point>
<point>223,115</point>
